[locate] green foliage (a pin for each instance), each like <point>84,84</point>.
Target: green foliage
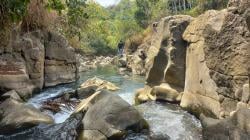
<point>57,5</point>
<point>96,29</point>
<point>12,11</point>
<point>150,10</point>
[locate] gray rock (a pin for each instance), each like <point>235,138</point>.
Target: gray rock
<point>60,61</point>
<point>16,116</point>
<point>236,127</point>
<point>63,131</point>
<point>112,116</point>
<point>11,94</point>
<point>91,135</point>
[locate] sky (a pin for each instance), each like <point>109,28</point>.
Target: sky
<point>106,3</point>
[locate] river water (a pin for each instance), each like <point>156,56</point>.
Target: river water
<point>166,121</point>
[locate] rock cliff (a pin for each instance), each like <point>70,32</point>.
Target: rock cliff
<point>217,65</point>
<point>35,60</point>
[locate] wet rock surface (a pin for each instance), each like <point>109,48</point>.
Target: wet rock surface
<point>16,116</point>
<point>64,131</point>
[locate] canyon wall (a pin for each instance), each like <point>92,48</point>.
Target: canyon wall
<point>35,60</point>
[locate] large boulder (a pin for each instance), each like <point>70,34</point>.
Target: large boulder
<point>111,116</point>
<point>166,56</point>
<point>16,116</point>
<point>217,65</point>
<point>60,61</point>
<point>236,127</point>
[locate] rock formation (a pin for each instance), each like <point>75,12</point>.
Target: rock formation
<point>60,61</point>
<point>211,77</point>
<point>165,62</point>
<point>217,65</point>
<point>35,60</point>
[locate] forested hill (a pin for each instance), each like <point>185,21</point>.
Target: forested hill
<point>88,26</point>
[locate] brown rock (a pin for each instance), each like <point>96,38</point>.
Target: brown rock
<point>217,62</point>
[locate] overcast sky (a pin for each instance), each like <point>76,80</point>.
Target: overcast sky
<point>106,3</point>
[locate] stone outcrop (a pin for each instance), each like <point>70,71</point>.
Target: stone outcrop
<point>22,64</point>
<point>217,65</point>
<point>35,60</point>
<point>165,61</point>
<point>60,61</point>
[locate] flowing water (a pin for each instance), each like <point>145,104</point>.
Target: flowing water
<point>166,121</point>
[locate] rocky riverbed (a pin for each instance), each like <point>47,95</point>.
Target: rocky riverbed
<point>165,120</point>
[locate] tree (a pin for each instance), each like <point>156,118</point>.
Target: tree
<point>143,14</point>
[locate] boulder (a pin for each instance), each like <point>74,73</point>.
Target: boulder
<point>166,93</point>
<point>111,116</point>
<point>236,127</point>
<point>67,130</point>
<point>122,62</point>
<point>60,61</point>
<point>217,65</point>
<point>16,116</point>
<point>11,94</point>
<point>143,95</point>
<point>98,84</point>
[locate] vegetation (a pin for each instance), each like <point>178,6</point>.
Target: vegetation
<point>94,29</point>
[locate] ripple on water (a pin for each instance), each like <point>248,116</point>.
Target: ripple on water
<point>167,120</point>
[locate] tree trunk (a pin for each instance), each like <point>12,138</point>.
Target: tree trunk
<point>175,7</point>
<point>184,5</point>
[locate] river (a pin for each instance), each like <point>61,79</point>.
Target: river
<point>166,121</point>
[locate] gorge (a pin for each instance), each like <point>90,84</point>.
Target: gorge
<point>189,79</point>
